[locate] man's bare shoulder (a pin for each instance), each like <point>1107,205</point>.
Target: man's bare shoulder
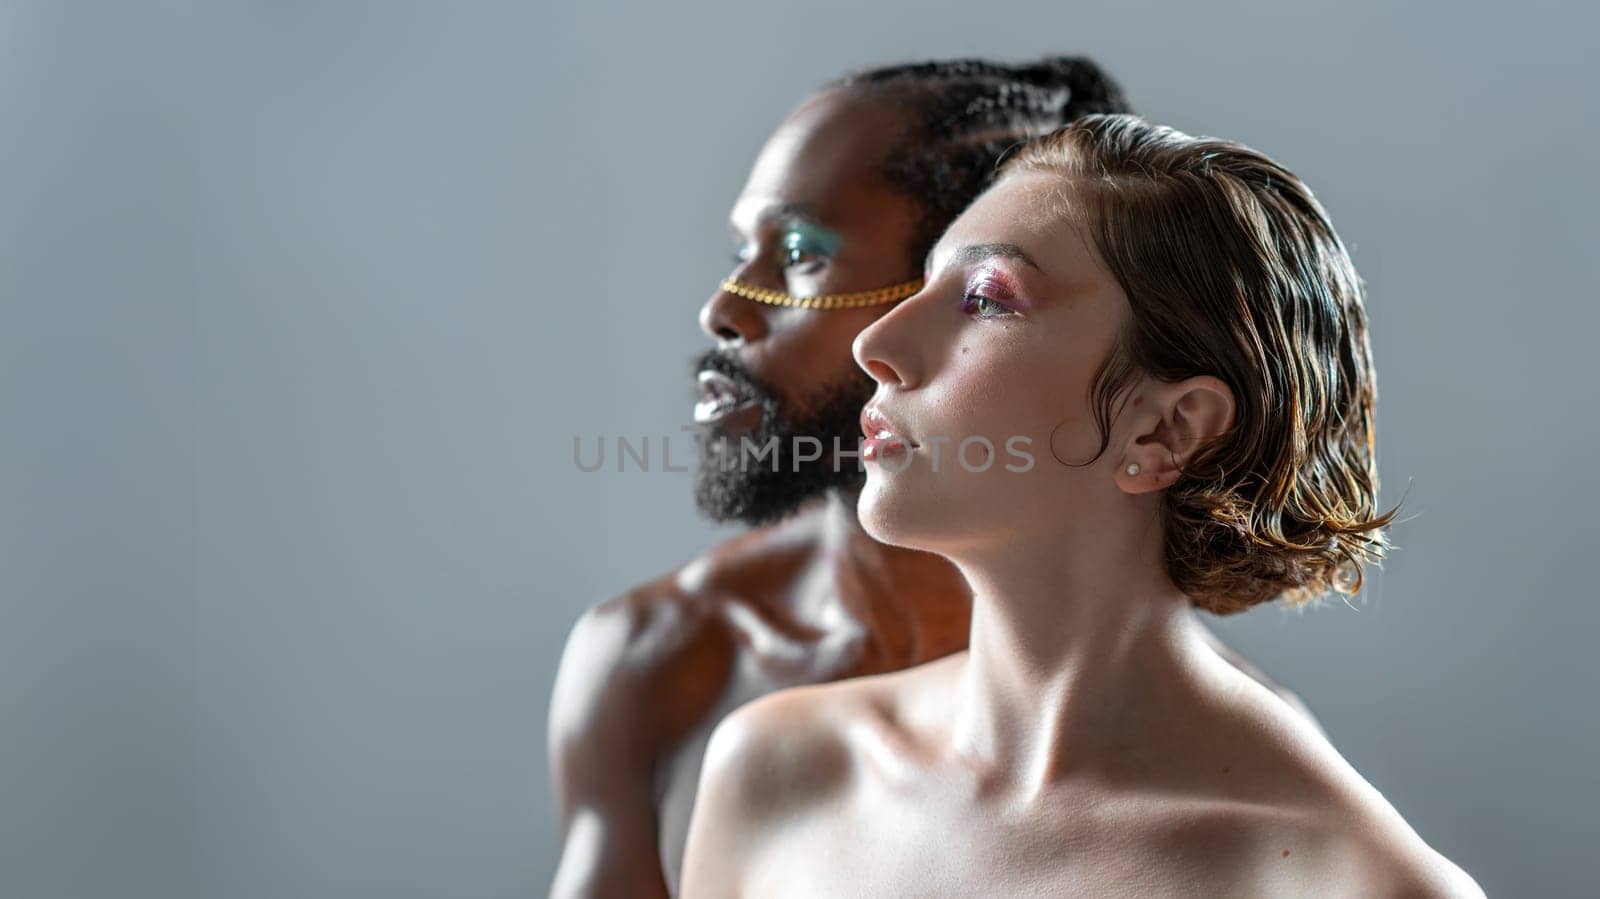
<point>639,663</point>
<point>643,675</point>
<point>637,632</point>
<point>654,658</point>
<point>626,642</point>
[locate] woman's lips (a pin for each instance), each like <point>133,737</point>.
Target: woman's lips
<point>719,398</point>
<point>879,437</point>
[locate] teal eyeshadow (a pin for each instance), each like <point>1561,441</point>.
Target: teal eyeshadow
<point>809,238</point>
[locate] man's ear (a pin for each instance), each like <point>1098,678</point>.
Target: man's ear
<point>1178,420</point>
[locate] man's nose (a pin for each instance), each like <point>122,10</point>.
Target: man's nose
<point>732,320</point>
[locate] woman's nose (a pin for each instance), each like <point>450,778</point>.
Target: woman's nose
<point>885,350</point>
<point>732,320</point>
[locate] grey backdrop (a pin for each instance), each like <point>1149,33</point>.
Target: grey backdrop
<point>302,303</point>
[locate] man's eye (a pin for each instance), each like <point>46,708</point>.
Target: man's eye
<point>793,256</point>
<point>798,251</point>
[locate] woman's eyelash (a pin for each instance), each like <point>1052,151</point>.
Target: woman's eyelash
<point>974,303</point>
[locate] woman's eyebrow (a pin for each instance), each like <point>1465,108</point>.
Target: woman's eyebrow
<point>975,253</point>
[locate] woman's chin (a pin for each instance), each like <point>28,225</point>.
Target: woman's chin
<point>888,516</point>
<point>891,536</point>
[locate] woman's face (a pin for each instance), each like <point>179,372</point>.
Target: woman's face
<point>999,351</point>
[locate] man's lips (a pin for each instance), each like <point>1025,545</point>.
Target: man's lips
<point>719,397</point>
<point>881,438</point>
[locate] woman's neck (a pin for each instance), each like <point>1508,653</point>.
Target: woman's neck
<point>1074,645</point>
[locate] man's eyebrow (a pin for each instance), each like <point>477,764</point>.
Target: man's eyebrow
<point>975,253</point>
<point>782,212</point>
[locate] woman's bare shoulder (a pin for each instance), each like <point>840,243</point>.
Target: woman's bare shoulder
<point>1314,820</point>
<point>785,745</point>
<point>1371,844</point>
<point>778,761</point>
<point>799,744</point>
<point>1342,851</point>
<point>803,746</point>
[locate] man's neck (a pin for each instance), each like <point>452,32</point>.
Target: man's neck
<point>912,606</point>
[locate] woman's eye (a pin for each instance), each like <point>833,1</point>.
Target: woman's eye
<point>979,306</point>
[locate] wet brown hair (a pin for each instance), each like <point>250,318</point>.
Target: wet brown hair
<point>1233,270</point>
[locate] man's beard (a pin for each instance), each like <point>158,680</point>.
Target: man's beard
<point>751,491</point>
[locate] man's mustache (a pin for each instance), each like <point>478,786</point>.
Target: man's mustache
<point>751,387</point>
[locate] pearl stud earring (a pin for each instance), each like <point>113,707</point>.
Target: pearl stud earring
<point>1133,470</point>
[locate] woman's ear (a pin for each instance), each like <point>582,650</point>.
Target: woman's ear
<point>1177,421</point>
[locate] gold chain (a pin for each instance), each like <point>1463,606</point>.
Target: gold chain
<point>825,301</point>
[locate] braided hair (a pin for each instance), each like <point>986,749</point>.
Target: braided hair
<point>966,115</point>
